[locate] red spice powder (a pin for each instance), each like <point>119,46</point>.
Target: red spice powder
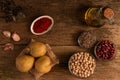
<point>42,25</point>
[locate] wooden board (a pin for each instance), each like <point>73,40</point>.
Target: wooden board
<point>104,70</point>
<point>62,38</point>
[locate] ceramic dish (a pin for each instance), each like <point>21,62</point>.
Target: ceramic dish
<point>48,29</point>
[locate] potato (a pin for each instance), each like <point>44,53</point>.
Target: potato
<point>42,65</point>
<point>37,49</point>
<point>24,63</point>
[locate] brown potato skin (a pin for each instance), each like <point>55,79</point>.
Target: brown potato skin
<point>42,64</point>
<point>24,63</point>
<point>37,49</point>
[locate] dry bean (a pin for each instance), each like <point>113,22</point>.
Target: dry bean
<point>105,50</point>
<point>82,64</point>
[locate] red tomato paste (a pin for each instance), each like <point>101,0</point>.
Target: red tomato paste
<point>42,25</point>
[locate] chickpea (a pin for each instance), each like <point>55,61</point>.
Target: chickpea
<point>82,64</point>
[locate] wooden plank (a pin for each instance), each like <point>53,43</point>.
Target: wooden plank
<point>62,37</point>
<point>57,37</point>
<point>67,25</point>
<point>109,70</point>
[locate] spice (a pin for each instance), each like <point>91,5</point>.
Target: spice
<point>87,39</point>
<point>105,50</point>
<point>98,16</point>
<point>42,25</point>
<point>82,64</point>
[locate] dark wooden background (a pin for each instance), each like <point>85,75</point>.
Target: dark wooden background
<point>62,38</point>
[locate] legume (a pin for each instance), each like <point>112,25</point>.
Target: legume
<point>82,64</point>
<point>105,50</point>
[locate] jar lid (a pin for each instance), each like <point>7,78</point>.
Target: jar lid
<point>108,13</point>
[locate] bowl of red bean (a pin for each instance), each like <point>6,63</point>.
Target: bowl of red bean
<point>104,50</point>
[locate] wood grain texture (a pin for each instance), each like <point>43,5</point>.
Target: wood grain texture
<point>62,38</point>
<point>66,14</point>
<point>104,70</point>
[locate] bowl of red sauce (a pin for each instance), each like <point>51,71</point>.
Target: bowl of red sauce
<point>42,25</point>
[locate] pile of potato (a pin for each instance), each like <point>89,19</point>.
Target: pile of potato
<point>37,56</point>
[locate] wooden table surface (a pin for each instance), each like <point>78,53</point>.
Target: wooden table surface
<point>62,38</point>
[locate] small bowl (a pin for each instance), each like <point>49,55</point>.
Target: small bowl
<point>104,59</point>
<point>49,28</point>
<point>70,68</point>
<point>92,39</point>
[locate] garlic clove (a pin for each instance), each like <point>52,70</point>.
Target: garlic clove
<point>8,46</point>
<point>7,34</point>
<point>15,37</point>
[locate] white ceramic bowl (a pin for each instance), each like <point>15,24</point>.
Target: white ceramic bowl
<point>45,16</point>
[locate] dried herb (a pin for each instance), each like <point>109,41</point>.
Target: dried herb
<point>10,11</point>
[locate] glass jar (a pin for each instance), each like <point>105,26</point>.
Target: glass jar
<point>87,39</point>
<point>98,16</point>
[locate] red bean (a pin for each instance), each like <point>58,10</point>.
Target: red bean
<point>105,50</point>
